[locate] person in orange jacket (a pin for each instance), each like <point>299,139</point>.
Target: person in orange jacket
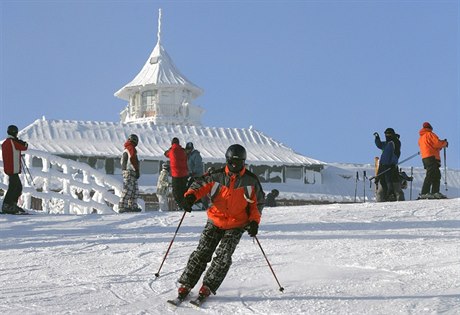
<point>11,153</point>
<point>237,201</point>
<point>430,146</point>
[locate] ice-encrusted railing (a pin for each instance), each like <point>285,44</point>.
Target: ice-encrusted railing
<point>65,186</point>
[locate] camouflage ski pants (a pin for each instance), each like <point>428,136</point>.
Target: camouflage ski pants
<point>210,239</point>
<point>130,191</point>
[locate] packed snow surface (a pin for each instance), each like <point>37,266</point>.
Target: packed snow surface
<point>367,258</point>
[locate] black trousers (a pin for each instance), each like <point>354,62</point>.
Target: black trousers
<point>14,190</point>
<point>179,187</point>
<point>433,175</point>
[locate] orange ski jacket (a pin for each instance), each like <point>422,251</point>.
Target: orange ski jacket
<point>237,199</point>
<point>429,144</point>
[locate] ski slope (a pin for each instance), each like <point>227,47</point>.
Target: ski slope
<point>367,258</point>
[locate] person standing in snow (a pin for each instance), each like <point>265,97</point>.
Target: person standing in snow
<point>195,168</point>
<point>430,146</point>
<point>179,170</point>
<point>163,188</point>
<point>237,202</point>
<point>194,161</point>
<point>11,153</point>
<point>131,173</point>
<point>389,183</point>
<point>270,199</point>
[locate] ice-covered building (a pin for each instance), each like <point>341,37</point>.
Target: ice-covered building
<point>161,106</point>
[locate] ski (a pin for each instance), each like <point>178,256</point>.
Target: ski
<point>198,301</point>
<point>19,213</point>
<point>176,302</point>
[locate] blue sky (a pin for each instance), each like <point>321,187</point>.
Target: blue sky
<point>319,76</point>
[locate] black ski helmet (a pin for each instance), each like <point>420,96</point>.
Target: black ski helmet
<point>12,130</point>
<point>189,146</point>
<point>235,157</point>
<point>134,139</point>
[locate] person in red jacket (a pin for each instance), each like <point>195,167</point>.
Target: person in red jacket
<point>131,173</point>
<point>430,145</point>
<point>237,200</point>
<point>178,169</point>
<point>11,152</point>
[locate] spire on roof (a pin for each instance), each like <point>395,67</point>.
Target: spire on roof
<point>159,26</point>
<point>160,93</point>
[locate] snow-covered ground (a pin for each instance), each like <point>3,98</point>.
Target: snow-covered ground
<point>367,258</point>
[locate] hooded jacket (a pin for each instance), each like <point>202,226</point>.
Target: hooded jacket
<point>129,160</point>
<point>429,144</point>
<point>11,153</point>
<point>237,199</point>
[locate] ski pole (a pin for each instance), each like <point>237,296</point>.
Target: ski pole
<point>356,184</point>
<point>445,168</point>
<point>269,265</point>
<point>364,186</point>
<point>30,179</point>
<point>388,169</point>
<point>411,175</point>
<point>170,244</point>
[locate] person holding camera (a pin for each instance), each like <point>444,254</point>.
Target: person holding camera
<point>131,174</point>
<point>430,146</point>
<point>237,200</point>
<point>11,152</point>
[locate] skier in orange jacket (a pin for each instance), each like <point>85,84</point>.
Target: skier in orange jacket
<point>237,201</point>
<point>430,146</point>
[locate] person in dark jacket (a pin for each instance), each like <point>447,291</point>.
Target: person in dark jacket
<point>131,173</point>
<point>237,201</point>
<point>11,153</point>
<point>270,199</point>
<point>178,170</point>
<point>387,179</point>
<point>430,146</point>
<point>195,168</point>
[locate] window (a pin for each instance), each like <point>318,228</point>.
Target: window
<point>293,173</point>
<point>149,97</point>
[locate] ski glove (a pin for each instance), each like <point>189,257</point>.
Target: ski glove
<point>189,200</point>
<point>447,143</point>
<point>253,228</point>
<point>376,134</point>
<point>138,174</point>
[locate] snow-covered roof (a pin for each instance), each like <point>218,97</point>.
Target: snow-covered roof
<point>159,71</point>
<point>92,138</point>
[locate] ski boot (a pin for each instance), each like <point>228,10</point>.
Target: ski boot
<point>202,296</point>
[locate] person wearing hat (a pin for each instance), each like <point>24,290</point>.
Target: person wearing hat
<point>387,179</point>
<point>11,153</point>
<point>430,146</point>
<point>163,188</point>
<point>179,170</point>
<point>131,174</point>
<point>195,168</point>
<point>194,161</point>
